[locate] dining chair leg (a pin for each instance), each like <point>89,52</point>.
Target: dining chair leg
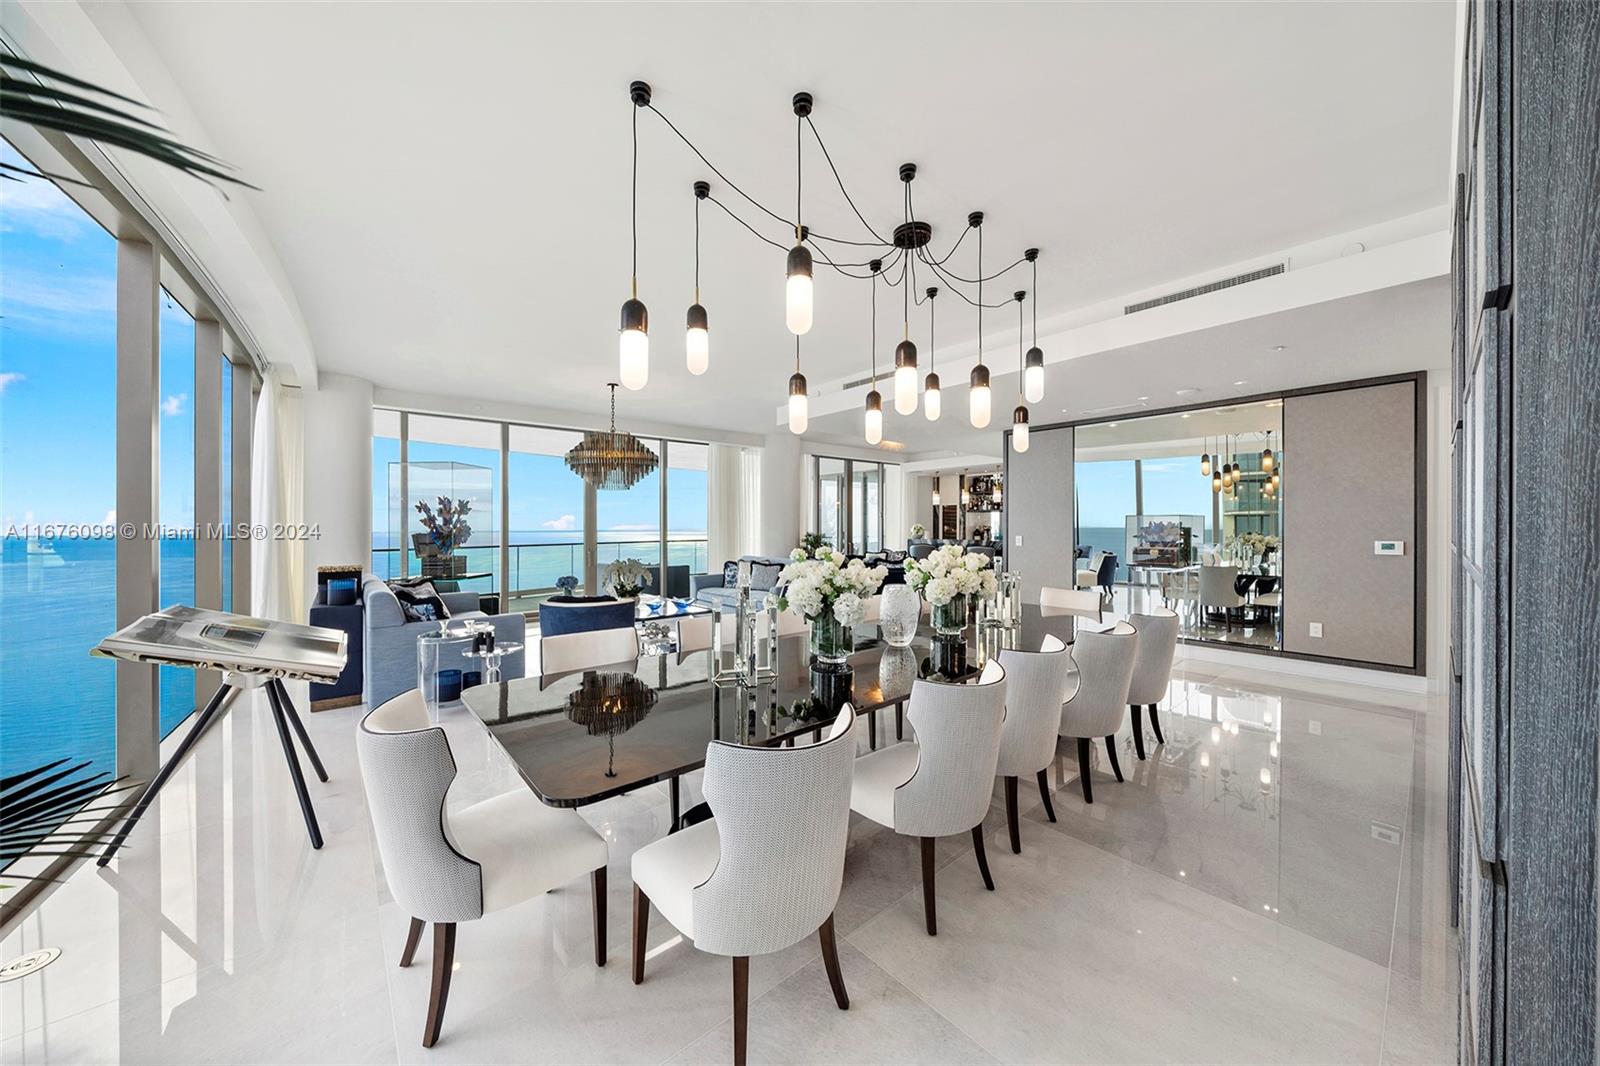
<point>900,721</point>
<point>1011,815</point>
<point>1083,769</point>
<point>444,953</point>
<point>1155,723</point>
<point>597,888</point>
<point>1111,753</point>
<point>641,930</point>
<point>1044,794</point>
<point>983,859</point>
<point>741,1007</point>
<point>927,886</point>
<point>830,959</point>
<point>1138,731</point>
<point>413,937</point>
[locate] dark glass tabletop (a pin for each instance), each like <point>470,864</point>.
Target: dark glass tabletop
<point>587,735</point>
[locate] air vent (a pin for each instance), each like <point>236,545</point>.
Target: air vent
<point>858,382</point>
<point>1201,290</point>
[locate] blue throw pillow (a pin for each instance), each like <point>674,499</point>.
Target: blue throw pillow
<point>730,574</point>
<point>763,576</point>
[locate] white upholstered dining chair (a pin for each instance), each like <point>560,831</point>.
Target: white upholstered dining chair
<point>1085,603</point>
<point>941,783</point>
<point>585,651</point>
<point>765,871</point>
<point>694,634</point>
<point>1218,588</point>
<point>1094,709</point>
<point>1154,648</point>
<point>1035,683</point>
<point>448,868</point>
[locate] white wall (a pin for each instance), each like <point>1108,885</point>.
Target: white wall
<point>338,473</point>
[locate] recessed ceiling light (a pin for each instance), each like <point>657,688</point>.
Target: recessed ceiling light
<point>1238,383</point>
<point>1111,425</point>
<point>1184,415</point>
<point>1143,398</point>
<point>1185,392</point>
<point>1278,347</point>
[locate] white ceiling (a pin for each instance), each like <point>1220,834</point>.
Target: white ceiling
<point>446,185</point>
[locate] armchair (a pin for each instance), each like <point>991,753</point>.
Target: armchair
<point>390,664</point>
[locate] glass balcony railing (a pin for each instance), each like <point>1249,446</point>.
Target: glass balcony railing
<point>536,567</point>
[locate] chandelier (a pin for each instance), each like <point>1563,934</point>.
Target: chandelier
<point>611,460</point>
<point>893,260</point>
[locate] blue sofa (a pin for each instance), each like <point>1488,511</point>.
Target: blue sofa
<point>714,590</point>
<point>390,665</point>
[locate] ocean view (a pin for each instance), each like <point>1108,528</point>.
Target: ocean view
<point>58,598</point>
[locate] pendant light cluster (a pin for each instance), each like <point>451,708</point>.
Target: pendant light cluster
<point>1222,467</point>
<point>893,260</point>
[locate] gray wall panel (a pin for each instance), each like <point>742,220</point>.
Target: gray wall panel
<point>1349,480</point>
<point>1038,508</point>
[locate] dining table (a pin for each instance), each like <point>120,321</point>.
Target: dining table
<point>588,735</point>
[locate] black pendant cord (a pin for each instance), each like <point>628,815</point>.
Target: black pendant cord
<point>911,216</point>
<point>1021,358</point>
<point>932,348</point>
<point>836,177</point>
<point>894,258</point>
<point>634,199</point>
<point>873,346</point>
<point>799,181</point>
<point>1035,264</point>
<point>788,223</point>
<point>952,281</point>
<point>754,232</point>
<point>797,353</point>
<point>697,249</point>
<point>980,295</point>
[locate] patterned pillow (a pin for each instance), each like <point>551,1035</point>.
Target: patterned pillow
<point>763,576</point>
<point>730,574</point>
<point>420,602</point>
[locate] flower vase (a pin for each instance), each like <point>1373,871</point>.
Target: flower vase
<point>950,619</point>
<point>898,615</point>
<point>831,642</point>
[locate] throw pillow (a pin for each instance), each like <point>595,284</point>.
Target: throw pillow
<point>420,602</point>
<point>730,574</point>
<point>894,557</point>
<point>763,576</point>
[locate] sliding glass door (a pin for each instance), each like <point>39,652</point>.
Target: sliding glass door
<point>850,503</point>
<point>546,542</point>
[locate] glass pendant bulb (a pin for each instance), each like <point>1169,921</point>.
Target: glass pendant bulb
<point>978,397</point>
<point>797,292</point>
<point>1033,376</point>
<point>874,422</point>
<point>1267,459</point>
<point>1019,429</point>
<point>633,350</point>
<point>799,404</point>
<point>905,377</point>
<point>1276,481</point>
<point>1216,481</point>
<point>1205,465</point>
<point>930,397</point>
<point>697,341</point>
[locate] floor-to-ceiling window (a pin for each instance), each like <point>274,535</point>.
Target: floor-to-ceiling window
<point>225,453</point>
<point>547,533</point>
<point>547,515</point>
<point>388,561</point>
<point>628,521</point>
<point>455,460</point>
<point>176,438</point>
<point>851,505</point>
<point>687,507</point>
<point>58,468</point>
<point>1107,495</point>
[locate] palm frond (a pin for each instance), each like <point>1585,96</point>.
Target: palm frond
<point>93,118</point>
<point>43,811</point>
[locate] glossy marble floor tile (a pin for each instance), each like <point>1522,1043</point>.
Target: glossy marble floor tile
<point>1268,885</point>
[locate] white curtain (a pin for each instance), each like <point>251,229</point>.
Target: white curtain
<point>277,472</point>
<point>750,502</point>
<point>724,485</point>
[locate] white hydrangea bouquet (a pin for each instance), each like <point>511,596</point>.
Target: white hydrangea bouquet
<point>831,593</point>
<point>946,578</point>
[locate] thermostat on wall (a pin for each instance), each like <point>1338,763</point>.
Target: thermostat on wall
<point>1388,547</point>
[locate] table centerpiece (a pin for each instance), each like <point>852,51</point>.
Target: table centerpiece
<point>830,593</point>
<point>947,578</point>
